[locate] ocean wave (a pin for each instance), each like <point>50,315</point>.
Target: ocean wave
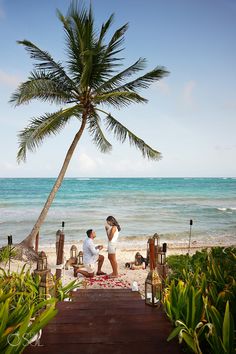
<point>227,209</point>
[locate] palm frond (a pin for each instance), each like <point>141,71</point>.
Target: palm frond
<point>119,99</point>
<point>41,86</point>
<point>116,41</point>
<point>105,62</point>
<point>81,39</point>
<point>105,27</point>
<point>97,134</point>
<point>122,134</point>
<point>40,128</point>
<point>47,63</point>
<point>118,79</point>
<point>74,62</point>
<point>146,80</point>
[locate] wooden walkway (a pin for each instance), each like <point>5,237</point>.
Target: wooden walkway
<point>103,321</point>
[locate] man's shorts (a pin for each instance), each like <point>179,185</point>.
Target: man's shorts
<point>90,268</point>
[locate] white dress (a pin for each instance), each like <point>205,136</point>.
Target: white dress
<point>113,243</point>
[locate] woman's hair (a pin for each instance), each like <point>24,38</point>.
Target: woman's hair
<point>114,222</point>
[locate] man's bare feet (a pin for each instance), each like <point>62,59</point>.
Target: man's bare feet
<point>101,273</point>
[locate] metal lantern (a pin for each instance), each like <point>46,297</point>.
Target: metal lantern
<point>156,239</point>
<point>46,286</point>
<point>163,253</point>
<point>153,289</point>
<point>80,258</point>
<point>42,261</point>
<point>73,251</point>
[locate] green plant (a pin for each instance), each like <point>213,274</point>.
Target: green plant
<point>221,336</point>
<point>6,253</point>
<point>201,304</point>
<point>64,292</point>
<point>22,312</point>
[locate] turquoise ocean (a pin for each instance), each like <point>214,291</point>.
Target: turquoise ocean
<point>143,206</point>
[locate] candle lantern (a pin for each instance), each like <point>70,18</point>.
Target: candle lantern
<point>156,239</point>
<point>153,285</point>
<point>164,247</point>
<point>153,289</point>
<point>73,251</point>
<point>80,258</point>
<point>42,261</point>
<point>46,285</point>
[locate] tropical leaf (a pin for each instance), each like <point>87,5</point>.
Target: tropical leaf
<point>97,134</point>
<point>44,87</point>
<point>228,331</point>
<point>122,133</point>
<point>40,128</point>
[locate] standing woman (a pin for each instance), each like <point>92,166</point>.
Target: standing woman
<point>112,229</point>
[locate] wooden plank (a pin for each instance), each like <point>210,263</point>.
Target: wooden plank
<point>93,305</point>
<point>99,348</point>
<point>113,323</point>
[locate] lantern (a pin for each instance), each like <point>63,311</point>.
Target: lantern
<point>42,261</point>
<point>156,239</point>
<point>73,251</point>
<point>153,289</point>
<point>46,285</point>
<point>80,258</point>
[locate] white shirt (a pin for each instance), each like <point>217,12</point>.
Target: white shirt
<point>90,253</point>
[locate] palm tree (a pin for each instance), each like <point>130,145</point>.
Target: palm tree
<point>88,82</point>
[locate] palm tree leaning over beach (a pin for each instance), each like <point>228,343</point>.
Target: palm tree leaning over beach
<point>88,82</point>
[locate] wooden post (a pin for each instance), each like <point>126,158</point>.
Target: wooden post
<point>60,254</point>
<point>37,242</point>
<point>152,254</point>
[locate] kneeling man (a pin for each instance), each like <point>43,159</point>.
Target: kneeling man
<point>91,256</point>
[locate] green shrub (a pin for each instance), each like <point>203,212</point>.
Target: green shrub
<point>200,300</point>
<point>23,313</point>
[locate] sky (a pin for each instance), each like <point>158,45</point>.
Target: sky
<point>190,116</point>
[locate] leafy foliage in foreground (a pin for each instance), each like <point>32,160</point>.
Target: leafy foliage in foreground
<point>200,300</point>
<point>6,253</point>
<point>23,313</point>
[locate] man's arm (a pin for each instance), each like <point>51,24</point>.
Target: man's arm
<point>94,250</point>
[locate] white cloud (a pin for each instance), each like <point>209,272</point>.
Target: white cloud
<point>230,105</point>
<point>86,163</point>
<point>188,93</point>
<point>8,79</point>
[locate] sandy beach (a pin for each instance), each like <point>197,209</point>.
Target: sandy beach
<point>126,276</point>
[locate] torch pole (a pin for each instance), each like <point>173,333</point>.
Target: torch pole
<point>190,232</point>
<point>9,247</point>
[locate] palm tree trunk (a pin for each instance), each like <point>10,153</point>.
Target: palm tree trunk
<point>28,242</point>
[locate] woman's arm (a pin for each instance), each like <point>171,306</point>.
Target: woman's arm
<point>111,233</point>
